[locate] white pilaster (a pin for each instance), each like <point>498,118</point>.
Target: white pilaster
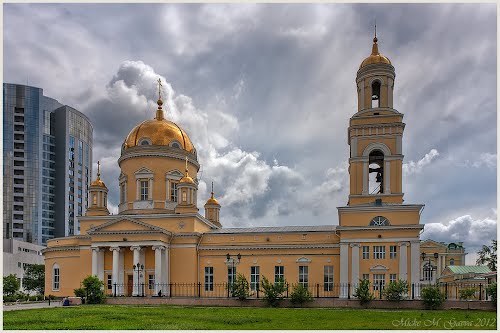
<point>136,260</point>
<point>344,269</point>
<point>355,265</point>
<point>387,177</point>
<point>362,85</point>
<point>365,178</point>
<point>100,264</point>
<point>95,251</point>
<point>415,266</point>
<point>121,274</point>
<point>114,274</point>
<point>403,260</point>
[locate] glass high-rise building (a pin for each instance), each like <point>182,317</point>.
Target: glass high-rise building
<point>47,155</point>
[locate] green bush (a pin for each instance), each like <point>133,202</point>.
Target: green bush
<point>80,292</point>
<point>467,293</point>
<point>300,294</point>
<point>9,299</point>
<point>34,278</point>
<point>432,297</point>
<point>362,292</point>
<point>92,288</point>
<point>240,287</point>
<point>491,290</point>
<point>396,290</point>
<point>10,284</point>
<point>273,292</point>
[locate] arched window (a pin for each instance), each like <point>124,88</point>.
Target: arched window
<point>144,142</point>
<point>376,171</point>
<point>94,199</point>
<point>452,262</point>
<point>175,144</point>
<point>56,277</point>
<point>376,94</point>
<point>379,221</point>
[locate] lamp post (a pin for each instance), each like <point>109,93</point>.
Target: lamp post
<point>138,268</point>
<point>429,268</point>
<point>233,262</point>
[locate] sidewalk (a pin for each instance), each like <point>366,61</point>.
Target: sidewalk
<point>26,306</point>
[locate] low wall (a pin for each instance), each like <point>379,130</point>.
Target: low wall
<point>315,303</point>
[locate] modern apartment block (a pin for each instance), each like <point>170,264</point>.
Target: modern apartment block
<point>47,155</point>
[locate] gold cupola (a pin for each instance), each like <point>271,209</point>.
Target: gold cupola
<point>98,195</point>
<point>375,57</point>
<point>212,209</point>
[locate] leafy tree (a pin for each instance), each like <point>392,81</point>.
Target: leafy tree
<point>34,278</point>
<point>491,290</point>
<point>467,293</point>
<point>92,288</point>
<point>488,255</point>
<point>273,292</point>
<point>362,292</point>
<point>300,294</point>
<point>432,297</point>
<point>396,290</point>
<point>10,284</point>
<point>240,287</point>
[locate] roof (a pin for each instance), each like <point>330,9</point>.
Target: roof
<point>469,269</point>
<point>274,229</point>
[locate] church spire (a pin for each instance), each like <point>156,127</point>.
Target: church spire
<point>98,170</point>
<point>159,111</point>
<point>375,40</point>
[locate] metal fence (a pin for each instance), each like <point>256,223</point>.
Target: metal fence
<point>451,290</point>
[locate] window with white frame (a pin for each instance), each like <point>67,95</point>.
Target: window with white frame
<point>427,271</point>
<point>279,273</point>
<point>393,252</point>
<point>328,278</point>
<point>392,277</point>
<point>379,252</point>
<point>144,189</point>
<point>304,275</point>
<point>231,275</point>
<point>378,280</point>
<point>56,277</point>
<point>366,277</point>
<point>366,252</point>
<point>173,191</point>
<point>109,281</point>
<point>151,281</point>
<point>254,277</point>
<point>209,278</point>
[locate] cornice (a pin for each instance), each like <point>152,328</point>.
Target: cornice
<point>274,246</point>
<point>158,151</point>
<point>383,208</point>
<point>389,227</point>
<point>61,248</point>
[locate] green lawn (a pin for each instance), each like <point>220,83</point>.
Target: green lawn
<point>112,317</point>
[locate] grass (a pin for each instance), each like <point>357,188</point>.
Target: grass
<point>127,317</point>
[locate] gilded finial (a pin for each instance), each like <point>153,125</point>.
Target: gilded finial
<point>375,40</point>
<point>159,112</point>
<point>212,190</point>
<point>98,170</point>
<point>187,174</point>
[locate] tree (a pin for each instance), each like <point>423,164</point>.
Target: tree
<point>10,284</point>
<point>273,292</point>
<point>241,287</point>
<point>300,294</point>
<point>491,290</point>
<point>467,293</point>
<point>34,278</point>
<point>93,289</point>
<point>432,297</point>
<point>488,255</point>
<point>362,292</point>
<point>396,290</point>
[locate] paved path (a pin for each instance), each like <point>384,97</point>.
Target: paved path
<point>26,306</point>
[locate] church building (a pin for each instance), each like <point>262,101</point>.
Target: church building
<point>159,239</point>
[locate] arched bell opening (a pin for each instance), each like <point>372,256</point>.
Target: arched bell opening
<point>376,172</point>
<point>376,94</point>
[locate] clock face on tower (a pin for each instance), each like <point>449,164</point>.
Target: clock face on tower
<point>379,221</point>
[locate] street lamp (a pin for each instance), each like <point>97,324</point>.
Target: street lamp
<point>138,268</point>
<point>233,262</point>
<point>428,267</point>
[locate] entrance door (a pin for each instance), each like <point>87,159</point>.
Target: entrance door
<point>130,284</point>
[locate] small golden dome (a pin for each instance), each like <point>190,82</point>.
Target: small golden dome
<point>375,57</point>
<point>212,200</point>
<point>186,179</point>
<point>98,181</point>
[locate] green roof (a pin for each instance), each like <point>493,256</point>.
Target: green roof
<point>469,269</point>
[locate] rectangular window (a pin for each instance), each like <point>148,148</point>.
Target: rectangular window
<point>379,252</point>
<point>279,273</point>
<point>254,277</point>
<point>378,280</point>
<point>366,277</point>
<point>304,275</point>
<point>328,278</point>
<point>173,191</point>
<point>110,281</point>
<point>19,265</point>
<point>231,275</point>
<point>55,285</point>
<point>392,252</point>
<point>209,278</point>
<point>151,281</point>
<point>144,189</point>
<point>366,252</point>
<point>392,278</point>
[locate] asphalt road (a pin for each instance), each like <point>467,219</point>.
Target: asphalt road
<point>27,306</point>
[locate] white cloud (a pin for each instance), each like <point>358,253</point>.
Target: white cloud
<point>416,167</point>
<point>487,159</point>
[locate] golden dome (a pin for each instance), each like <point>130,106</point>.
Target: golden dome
<point>212,200</point>
<point>375,57</point>
<point>158,131</point>
<point>186,179</point>
<point>98,181</point>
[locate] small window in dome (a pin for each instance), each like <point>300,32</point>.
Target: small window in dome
<point>175,144</point>
<point>144,142</point>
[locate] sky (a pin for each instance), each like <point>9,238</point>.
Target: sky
<point>265,92</point>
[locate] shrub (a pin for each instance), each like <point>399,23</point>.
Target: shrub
<point>10,284</point>
<point>362,292</point>
<point>491,290</point>
<point>92,289</point>
<point>467,293</point>
<point>396,290</point>
<point>240,287</point>
<point>300,294</point>
<point>273,292</point>
<point>432,297</point>
<point>80,292</point>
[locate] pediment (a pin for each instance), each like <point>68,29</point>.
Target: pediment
<point>379,268</point>
<point>431,243</point>
<point>125,224</point>
<point>303,260</point>
<point>143,170</point>
<point>174,174</point>
<point>122,177</point>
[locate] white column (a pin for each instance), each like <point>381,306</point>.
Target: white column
<point>415,265</point>
<point>365,178</point>
<point>165,272</point>
<point>100,264</point>
<point>354,265</point>
<point>362,84</point>
<point>121,274</point>
<point>344,269</point>
<point>136,259</point>
<point>95,250</point>
<point>114,274</point>
<point>403,260</point>
<point>158,269</point>
<point>387,177</point>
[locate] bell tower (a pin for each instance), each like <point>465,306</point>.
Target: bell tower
<point>375,135</point>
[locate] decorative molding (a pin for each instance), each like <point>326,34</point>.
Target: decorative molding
<point>383,208</point>
<point>404,244</point>
<point>60,248</point>
<point>358,245</point>
<point>159,151</point>
<point>376,146</point>
<point>388,227</point>
<point>303,260</point>
<point>375,240</point>
<point>152,228</point>
<point>265,246</point>
<point>379,268</point>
